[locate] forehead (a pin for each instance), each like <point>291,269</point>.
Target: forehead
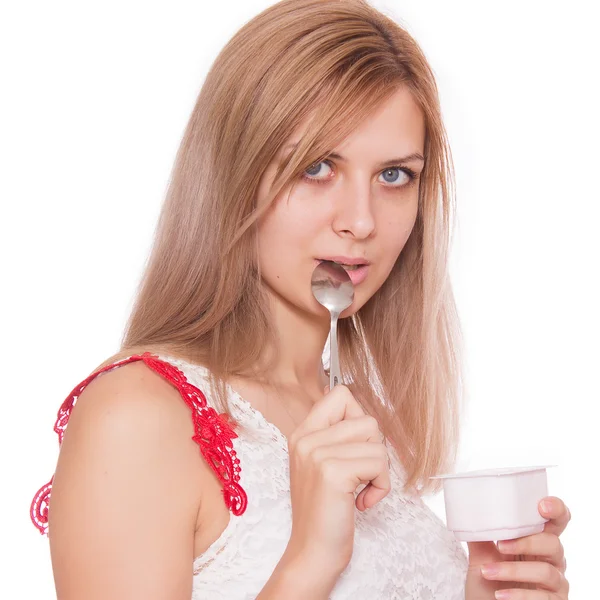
<point>395,128</point>
<point>398,120</point>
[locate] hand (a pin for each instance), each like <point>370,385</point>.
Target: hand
<point>528,568</point>
<point>334,450</point>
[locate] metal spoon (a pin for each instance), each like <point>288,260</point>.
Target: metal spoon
<point>332,287</point>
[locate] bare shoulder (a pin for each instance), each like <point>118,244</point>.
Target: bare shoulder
<point>126,491</point>
<point>134,408</point>
<point>133,394</point>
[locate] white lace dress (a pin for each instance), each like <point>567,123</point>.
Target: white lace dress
<point>402,550</point>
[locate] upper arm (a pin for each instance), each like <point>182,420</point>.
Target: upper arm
<point>126,492</point>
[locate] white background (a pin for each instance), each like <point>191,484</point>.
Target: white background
<point>95,97</point>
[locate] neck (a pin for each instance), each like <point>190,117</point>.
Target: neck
<point>301,339</point>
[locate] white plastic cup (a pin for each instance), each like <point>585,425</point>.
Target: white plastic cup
<point>495,504</point>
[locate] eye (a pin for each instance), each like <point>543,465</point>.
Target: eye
<point>397,177</point>
<point>314,170</point>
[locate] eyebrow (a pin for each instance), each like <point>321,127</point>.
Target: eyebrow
<point>404,159</point>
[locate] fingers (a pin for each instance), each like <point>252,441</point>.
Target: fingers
<point>546,574</point>
<point>359,429</point>
<point>348,465</point>
<point>361,469</point>
<point>337,405</point>
<point>524,594</point>
<point>482,552</point>
<point>370,496</point>
<point>342,447</point>
<point>543,545</point>
<point>349,452</point>
<point>557,512</point>
<point>543,574</point>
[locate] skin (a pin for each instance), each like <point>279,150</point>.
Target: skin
<point>130,429</point>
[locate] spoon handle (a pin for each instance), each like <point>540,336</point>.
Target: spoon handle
<point>335,377</point>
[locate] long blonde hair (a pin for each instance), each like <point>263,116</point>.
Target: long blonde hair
<point>201,298</point>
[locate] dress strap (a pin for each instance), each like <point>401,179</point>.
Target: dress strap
<point>213,432</point>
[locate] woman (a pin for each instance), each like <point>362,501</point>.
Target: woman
<point>316,135</point>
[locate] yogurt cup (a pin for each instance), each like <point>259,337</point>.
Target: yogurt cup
<point>495,504</point>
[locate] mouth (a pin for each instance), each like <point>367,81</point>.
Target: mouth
<point>346,261</point>
<point>357,268</point>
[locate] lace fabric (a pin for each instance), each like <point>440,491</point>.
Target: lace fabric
<point>402,550</point>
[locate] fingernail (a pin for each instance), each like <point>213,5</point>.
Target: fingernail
<point>503,594</point>
<point>490,570</point>
<point>506,546</point>
<point>547,506</point>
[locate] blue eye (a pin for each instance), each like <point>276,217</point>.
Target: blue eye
<point>315,169</point>
<point>390,172</point>
<point>410,174</point>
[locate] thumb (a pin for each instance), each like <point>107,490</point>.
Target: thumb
<point>326,389</point>
<point>481,553</point>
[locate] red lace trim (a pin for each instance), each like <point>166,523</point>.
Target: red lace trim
<point>212,432</point>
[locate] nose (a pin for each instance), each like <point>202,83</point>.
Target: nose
<point>354,215</point>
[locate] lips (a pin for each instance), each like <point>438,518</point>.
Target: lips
<point>357,268</point>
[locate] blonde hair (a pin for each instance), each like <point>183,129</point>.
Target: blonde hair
<point>201,298</point>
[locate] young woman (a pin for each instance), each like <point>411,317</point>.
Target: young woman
<point>208,459</point>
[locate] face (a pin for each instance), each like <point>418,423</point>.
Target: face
<point>359,205</point>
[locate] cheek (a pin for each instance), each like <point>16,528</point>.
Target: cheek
<point>285,254</point>
<point>286,231</point>
<point>396,231</point>
<point>287,236</point>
